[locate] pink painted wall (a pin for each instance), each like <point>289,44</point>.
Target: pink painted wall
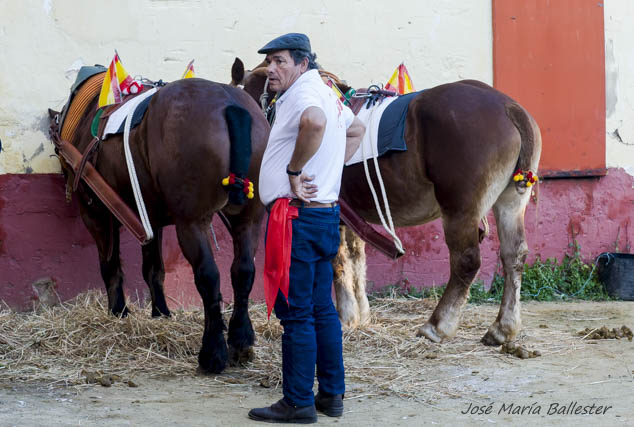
<point>42,236</point>
<point>596,212</point>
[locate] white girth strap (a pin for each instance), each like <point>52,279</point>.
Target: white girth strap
<point>136,188</point>
<point>389,226</point>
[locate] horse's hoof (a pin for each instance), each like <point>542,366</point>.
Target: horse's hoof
<point>349,320</point>
<point>158,313</point>
<point>429,331</point>
<point>496,335</point>
<point>121,313</point>
<point>240,357</point>
<point>491,339</point>
<point>213,362</point>
<point>364,318</point>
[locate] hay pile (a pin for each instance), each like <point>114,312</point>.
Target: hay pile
<point>60,345</point>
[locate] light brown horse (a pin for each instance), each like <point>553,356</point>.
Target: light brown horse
<point>464,142</point>
<point>181,150</point>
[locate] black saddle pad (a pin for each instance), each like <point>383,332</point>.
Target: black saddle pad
<point>391,135</point>
<point>137,117</point>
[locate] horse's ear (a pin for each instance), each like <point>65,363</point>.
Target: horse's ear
<point>237,72</point>
<point>52,113</point>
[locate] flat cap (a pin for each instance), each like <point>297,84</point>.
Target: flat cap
<point>287,41</point>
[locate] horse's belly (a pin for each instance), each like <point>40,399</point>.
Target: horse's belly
<point>405,212</point>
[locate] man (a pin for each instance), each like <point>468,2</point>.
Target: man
<point>311,137</point>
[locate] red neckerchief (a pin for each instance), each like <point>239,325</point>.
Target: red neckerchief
<point>277,254</point>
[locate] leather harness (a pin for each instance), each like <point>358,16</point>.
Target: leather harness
<point>80,164</point>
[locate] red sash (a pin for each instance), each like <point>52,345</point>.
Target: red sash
<point>277,254</point>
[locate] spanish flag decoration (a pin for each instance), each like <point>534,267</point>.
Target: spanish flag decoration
<point>189,71</point>
<point>400,81</point>
<point>336,90</point>
<point>116,84</point>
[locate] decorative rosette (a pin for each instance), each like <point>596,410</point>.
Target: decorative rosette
<point>239,184</point>
<point>528,177</point>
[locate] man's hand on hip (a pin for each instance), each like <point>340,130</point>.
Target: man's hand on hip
<point>302,187</point>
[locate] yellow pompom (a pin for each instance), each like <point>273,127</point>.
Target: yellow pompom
<point>536,178</point>
<point>518,177</point>
<point>225,181</point>
<point>250,195</point>
<point>250,186</point>
<point>529,184</point>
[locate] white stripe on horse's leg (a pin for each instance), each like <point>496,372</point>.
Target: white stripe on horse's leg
<point>347,305</point>
<point>358,259</point>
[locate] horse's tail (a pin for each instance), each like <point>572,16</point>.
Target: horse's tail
<point>237,184</point>
<point>525,174</point>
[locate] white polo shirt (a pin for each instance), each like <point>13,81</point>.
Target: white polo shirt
<point>326,164</point>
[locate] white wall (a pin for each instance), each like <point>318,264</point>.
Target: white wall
<point>619,76</point>
<point>42,43</point>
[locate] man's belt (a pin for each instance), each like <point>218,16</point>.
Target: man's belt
<point>298,203</point>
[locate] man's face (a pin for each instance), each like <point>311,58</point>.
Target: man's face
<point>282,70</point>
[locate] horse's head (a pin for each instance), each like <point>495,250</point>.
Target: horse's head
<point>252,81</point>
<point>54,119</point>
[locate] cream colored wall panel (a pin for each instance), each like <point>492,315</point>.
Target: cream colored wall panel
<point>44,42</point>
<point>619,76</point>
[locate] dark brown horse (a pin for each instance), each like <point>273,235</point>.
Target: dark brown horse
<point>181,150</point>
<point>464,141</point>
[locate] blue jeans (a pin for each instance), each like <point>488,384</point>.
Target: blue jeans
<point>312,331</point>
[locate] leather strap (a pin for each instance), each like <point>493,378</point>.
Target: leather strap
<point>366,231</point>
<point>106,194</point>
<point>356,103</point>
<point>84,160</point>
<point>298,203</point>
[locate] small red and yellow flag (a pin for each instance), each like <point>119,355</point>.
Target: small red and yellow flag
<point>336,90</point>
<point>189,71</point>
<point>116,84</point>
<point>400,81</point>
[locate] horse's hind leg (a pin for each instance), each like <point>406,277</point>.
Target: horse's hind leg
<point>105,230</point>
<point>509,216</point>
<point>241,337</point>
<point>461,235</point>
<point>194,242</point>
<point>154,273</point>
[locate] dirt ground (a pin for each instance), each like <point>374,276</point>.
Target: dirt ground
<point>474,385</point>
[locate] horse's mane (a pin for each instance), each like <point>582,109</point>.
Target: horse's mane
<point>259,71</point>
